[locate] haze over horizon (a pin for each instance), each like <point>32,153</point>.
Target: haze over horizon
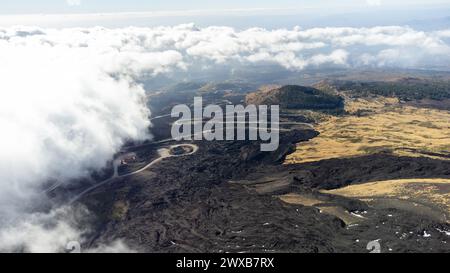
<point>239,14</point>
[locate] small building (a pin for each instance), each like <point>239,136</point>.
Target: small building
<point>128,159</point>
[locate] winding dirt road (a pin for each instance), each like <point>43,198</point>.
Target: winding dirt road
<point>163,153</point>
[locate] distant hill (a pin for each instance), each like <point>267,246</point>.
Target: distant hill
<point>406,88</point>
<point>296,97</point>
<point>185,86</point>
<point>234,87</point>
<point>203,87</point>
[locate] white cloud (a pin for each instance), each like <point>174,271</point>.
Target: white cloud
<point>443,33</point>
<point>66,109</point>
<point>53,231</point>
<point>117,246</point>
<point>70,98</point>
<point>40,232</point>
<point>73,2</point>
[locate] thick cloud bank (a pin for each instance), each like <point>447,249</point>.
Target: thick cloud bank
<point>70,98</point>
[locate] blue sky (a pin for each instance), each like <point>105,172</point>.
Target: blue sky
<point>421,14</point>
<point>72,6</point>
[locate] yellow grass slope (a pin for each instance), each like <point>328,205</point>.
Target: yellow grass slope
<point>402,130</point>
<point>432,192</point>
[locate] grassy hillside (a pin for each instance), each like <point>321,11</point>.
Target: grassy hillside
<point>389,128</point>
